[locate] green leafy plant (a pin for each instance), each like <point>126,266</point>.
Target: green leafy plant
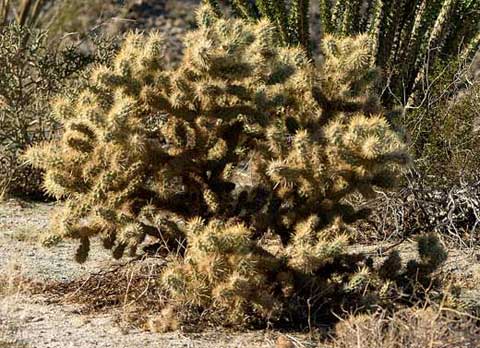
<point>239,162</point>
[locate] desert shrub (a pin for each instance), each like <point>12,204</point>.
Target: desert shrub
<point>441,194</point>
<point>32,70</point>
<point>238,162</point>
<point>446,135</point>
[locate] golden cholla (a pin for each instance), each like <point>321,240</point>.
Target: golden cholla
<point>245,143</point>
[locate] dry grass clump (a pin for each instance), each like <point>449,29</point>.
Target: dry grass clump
<point>408,328</point>
<point>14,282</point>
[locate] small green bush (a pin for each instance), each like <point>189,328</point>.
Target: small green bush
<point>445,134</point>
<point>32,71</point>
<point>239,162</point>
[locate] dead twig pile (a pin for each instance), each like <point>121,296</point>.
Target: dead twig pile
<point>131,288</point>
<point>452,211</point>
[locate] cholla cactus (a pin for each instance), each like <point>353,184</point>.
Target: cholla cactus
<point>144,140</point>
<point>239,160</point>
<point>222,268</point>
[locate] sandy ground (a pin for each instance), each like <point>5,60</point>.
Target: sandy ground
<point>27,322</point>
<point>37,321</point>
<point>33,321</point>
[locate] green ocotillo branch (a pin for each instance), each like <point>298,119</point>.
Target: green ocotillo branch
<point>406,36</point>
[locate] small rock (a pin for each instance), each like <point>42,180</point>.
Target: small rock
<point>284,342</point>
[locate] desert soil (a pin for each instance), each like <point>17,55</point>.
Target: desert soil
<point>37,321</point>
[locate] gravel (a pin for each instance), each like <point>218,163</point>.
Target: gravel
<point>21,226</point>
<point>26,323</point>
